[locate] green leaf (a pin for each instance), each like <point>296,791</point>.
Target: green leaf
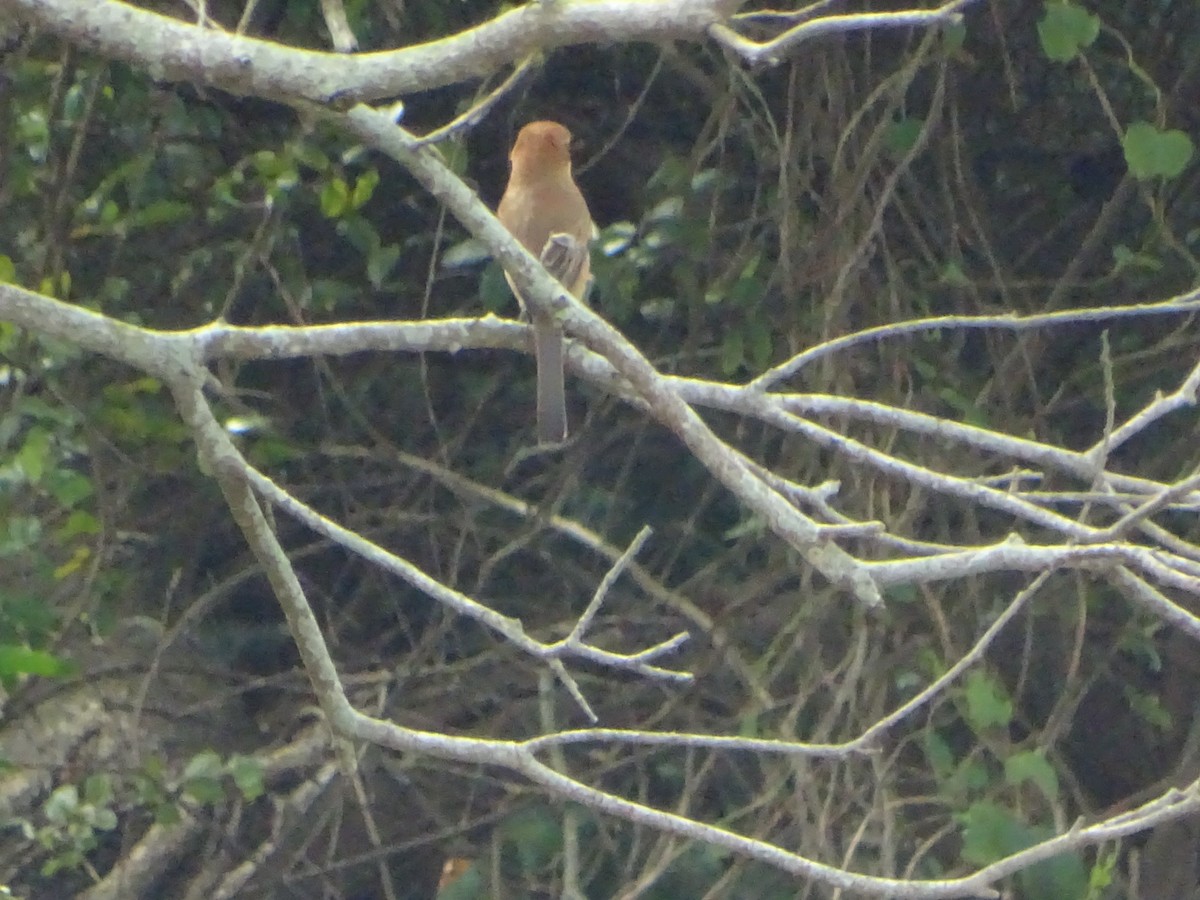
<point>68,487</point>
<point>494,292</point>
<point>269,164</point>
<point>972,778</point>
<point>1065,29</point>
<point>18,660</point>
<point>26,619</point>
<point>759,343</point>
<point>693,873</point>
<point>987,705</point>
<point>1031,766</point>
<point>335,198</point>
<point>134,387</point>
<point>1124,257</point>
<point>33,134</point>
<point>746,290</point>
<point>673,175</point>
<point>33,456</point>
<point>953,274</point>
<point>79,522</point>
<point>8,271</point>
<point>202,777</point>
<point>381,262</point>
<point>98,790</point>
<point>66,860</point>
<point>167,814</point>
<point>954,35</point>
<point>272,449</point>
<point>154,770</point>
<point>991,832</point>
<point>360,233</point>
<point>901,136</point>
<point>18,534</point>
<point>37,408</point>
<point>971,413</point>
<point>749,725</point>
<point>1058,878</point>
<point>939,754</point>
<point>247,773</point>
<point>206,764</point>
<point>1101,875</point>
<point>364,187</point>
<point>159,213</point>
<point>312,157</point>
<point>1149,707</point>
<point>536,835</point>
<point>465,254</point>
<point>204,790</point>
<point>454,154</point>
<point>1151,152</point>
<point>61,805</point>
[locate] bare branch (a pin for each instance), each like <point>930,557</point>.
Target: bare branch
<point>777,49</point>
<point>176,50</point>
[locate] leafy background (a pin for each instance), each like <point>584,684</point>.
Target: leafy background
<point>1038,157</point>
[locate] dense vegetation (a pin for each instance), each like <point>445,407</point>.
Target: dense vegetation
<point>1030,159</point>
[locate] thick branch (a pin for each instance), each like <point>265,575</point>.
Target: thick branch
<point>175,50</point>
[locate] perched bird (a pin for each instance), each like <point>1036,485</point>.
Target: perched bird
<point>545,211</point>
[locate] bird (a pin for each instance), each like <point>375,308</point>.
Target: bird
<point>545,211</point>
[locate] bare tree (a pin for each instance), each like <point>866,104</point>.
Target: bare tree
<point>1046,508</point>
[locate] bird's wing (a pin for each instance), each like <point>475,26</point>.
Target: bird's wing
<point>564,257</point>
